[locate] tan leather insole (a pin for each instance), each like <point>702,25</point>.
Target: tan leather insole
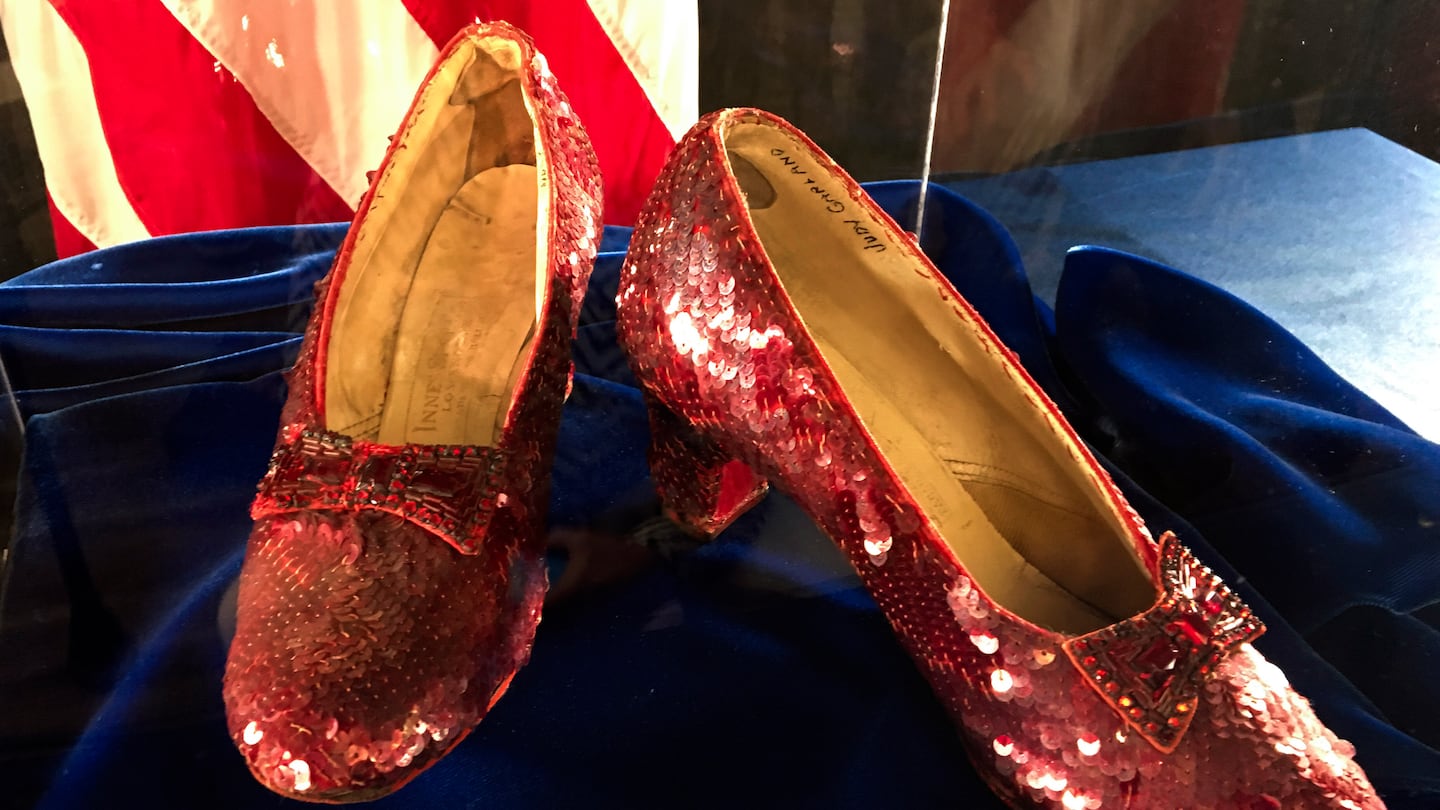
<point>986,554</point>
<point>979,458</point>
<point>460,343</point>
<point>433,320</point>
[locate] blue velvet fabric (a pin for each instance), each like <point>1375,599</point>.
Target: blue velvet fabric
<point>753,672</point>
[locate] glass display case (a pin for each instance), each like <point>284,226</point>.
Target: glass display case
<point>1097,413</point>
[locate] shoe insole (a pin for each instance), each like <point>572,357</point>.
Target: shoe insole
<point>954,510</point>
<point>468,316</point>
<point>981,458</point>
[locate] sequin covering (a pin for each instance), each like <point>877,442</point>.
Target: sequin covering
<point>389,593</point>
<point>728,366</point>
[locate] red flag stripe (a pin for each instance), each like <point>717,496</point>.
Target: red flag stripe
<point>630,139</point>
<point>659,40</point>
<point>89,204</point>
<point>143,128</point>
<point>190,148</point>
<point>334,79</point>
<point>69,241</point>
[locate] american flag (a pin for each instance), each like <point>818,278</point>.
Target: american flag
<point>156,117</point>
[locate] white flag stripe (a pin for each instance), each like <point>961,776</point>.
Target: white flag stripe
<point>334,79</point>
<point>659,41</point>
<point>54,75</point>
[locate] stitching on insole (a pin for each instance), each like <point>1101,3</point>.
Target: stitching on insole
<point>366,424</point>
<point>997,476</point>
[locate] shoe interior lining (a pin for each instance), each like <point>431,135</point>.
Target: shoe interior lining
<point>983,462</point>
<point>435,318</point>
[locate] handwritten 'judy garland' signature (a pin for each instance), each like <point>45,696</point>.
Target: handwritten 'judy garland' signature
<point>832,203</point>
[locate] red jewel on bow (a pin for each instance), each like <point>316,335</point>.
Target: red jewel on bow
<point>1151,668</point>
<point>448,489</point>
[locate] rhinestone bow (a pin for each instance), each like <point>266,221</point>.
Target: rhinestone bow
<point>1151,668</point>
<point>448,489</point>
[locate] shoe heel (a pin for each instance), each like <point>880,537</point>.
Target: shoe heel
<point>701,487</point>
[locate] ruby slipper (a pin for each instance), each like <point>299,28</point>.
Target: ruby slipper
<point>393,580</point>
<point>785,330</point>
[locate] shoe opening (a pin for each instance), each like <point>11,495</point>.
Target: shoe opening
<point>978,448</point>
<point>446,280</point>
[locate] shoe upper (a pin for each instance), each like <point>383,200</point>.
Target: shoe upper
<point>392,585</point>
<point>1148,692</point>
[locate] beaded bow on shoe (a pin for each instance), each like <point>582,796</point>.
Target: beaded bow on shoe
<point>450,490</point>
<point>1151,668</point>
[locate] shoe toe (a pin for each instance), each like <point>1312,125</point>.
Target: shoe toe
<point>366,648</point>
<point>1271,737</point>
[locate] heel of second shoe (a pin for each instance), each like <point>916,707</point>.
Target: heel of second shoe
<point>701,487</point>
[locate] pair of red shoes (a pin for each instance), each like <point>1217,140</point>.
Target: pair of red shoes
<point>784,330</point>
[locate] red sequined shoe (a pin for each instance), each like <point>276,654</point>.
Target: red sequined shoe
<point>785,330</point>
<point>393,581</point>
